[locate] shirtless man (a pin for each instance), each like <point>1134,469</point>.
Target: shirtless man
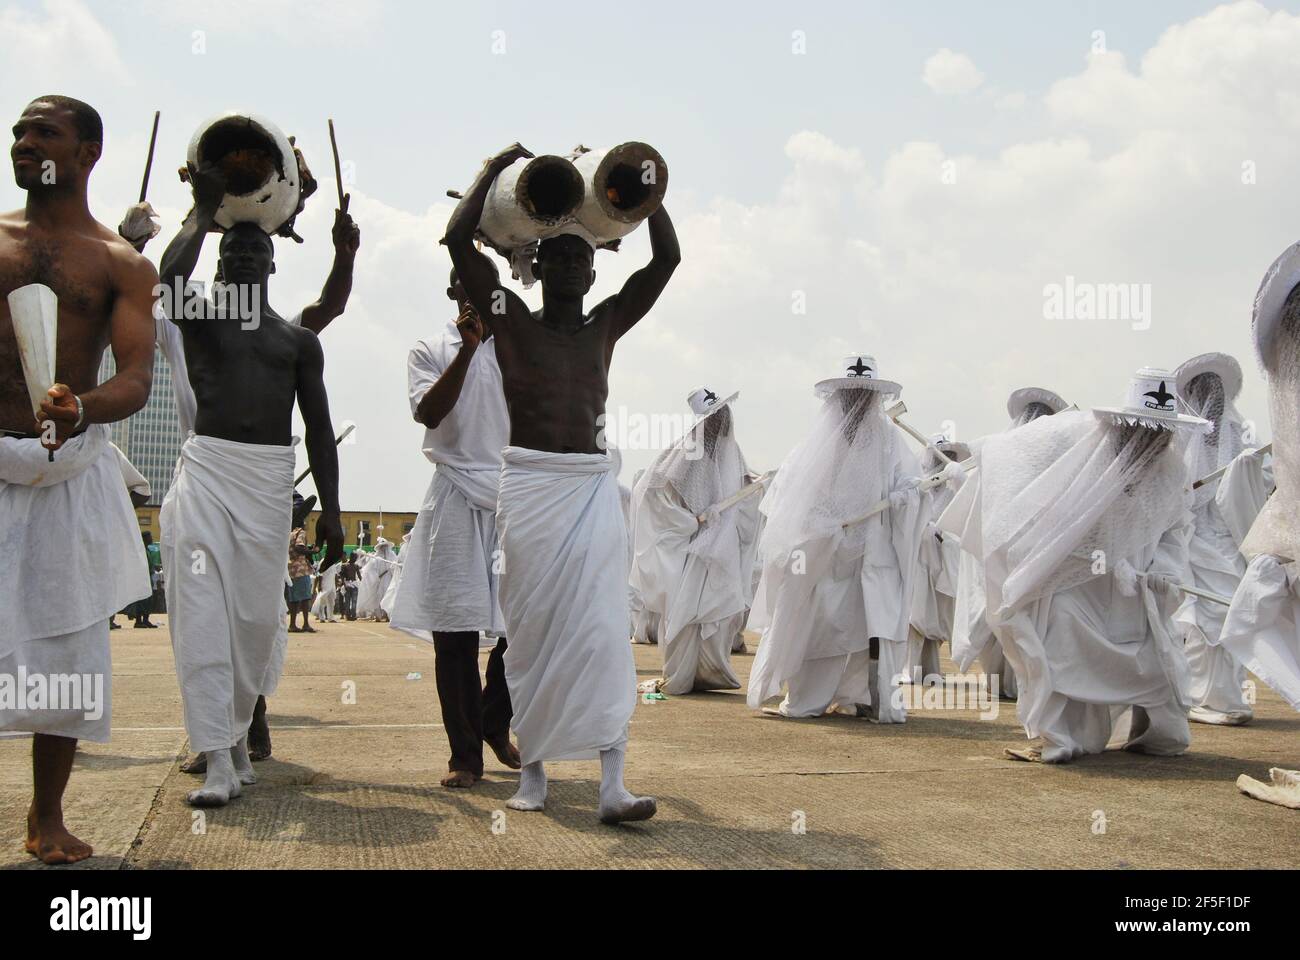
<point>569,667</point>
<point>59,596</point>
<point>138,228</point>
<point>247,372</point>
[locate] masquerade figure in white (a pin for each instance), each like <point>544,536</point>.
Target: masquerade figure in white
<point>1080,522</point>
<point>1262,628</point>
<point>934,599</point>
<point>972,638</point>
<point>835,598</point>
<point>1207,386</point>
<point>695,575</point>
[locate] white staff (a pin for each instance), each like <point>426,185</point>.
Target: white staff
<point>1266,448</point>
<point>928,483</point>
<point>895,412</point>
<point>741,494</point>
<point>1197,592</point>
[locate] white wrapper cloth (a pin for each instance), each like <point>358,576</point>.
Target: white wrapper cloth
<point>564,595</point>
<point>225,525</point>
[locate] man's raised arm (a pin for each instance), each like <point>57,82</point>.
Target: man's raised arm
<point>182,254</point>
<point>473,267</point>
<point>338,285</point>
<point>322,455</point>
<point>643,288</point>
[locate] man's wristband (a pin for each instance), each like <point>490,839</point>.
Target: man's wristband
<point>81,412</point>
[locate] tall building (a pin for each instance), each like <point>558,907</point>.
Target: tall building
<point>151,439</point>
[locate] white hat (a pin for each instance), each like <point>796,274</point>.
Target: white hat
<point>857,371</point>
<point>1226,367</point>
<point>1023,397</point>
<point>959,449</point>
<point>1153,401</point>
<point>1281,278</point>
<point>704,402</point>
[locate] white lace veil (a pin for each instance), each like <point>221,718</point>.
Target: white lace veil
<point>1033,410</point>
<point>836,474</point>
<point>1207,451</point>
<point>703,467</point>
<point>1067,497</point>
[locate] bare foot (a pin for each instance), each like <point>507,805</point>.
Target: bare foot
<point>460,779</point>
<point>221,785</point>
<point>197,764</point>
<point>259,733</point>
<point>506,752</point>
<point>51,842</point>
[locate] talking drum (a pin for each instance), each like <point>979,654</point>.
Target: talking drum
<point>600,195</point>
<point>264,184</point>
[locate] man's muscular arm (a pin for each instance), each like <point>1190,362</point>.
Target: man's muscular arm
<point>473,267</point>
<point>322,455</point>
<point>131,336</point>
<point>338,285</point>
<point>643,288</point>
<point>440,398</point>
<point>182,254</point>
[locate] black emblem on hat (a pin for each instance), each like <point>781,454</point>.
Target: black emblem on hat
<point>710,397</point>
<point>859,369</point>
<point>1163,399</point>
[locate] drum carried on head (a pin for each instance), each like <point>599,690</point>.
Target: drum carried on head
<point>267,181</point>
<point>600,195</point>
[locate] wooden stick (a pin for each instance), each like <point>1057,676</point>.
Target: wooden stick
<point>743,493</point>
<point>338,170</point>
<point>148,163</point>
<point>339,439</point>
<point>1266,448</point>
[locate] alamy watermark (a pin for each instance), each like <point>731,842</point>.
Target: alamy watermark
<point>1079,300</point>
<point>26,691</point>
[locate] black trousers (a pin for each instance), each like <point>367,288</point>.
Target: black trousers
<point>471,712</point>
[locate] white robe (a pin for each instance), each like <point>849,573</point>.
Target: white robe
<point>1095,667</point>
<point>451,564</point>
<point>74,559</point>
<point>225,535</point>
<point>375,577</point>
<point>323,606</point>
<point>934,599</point>
<point>700,599</point>
<point>817,623</point>
<point>568,666</point>
<point>1216,691</point>
<point>1262,628</point>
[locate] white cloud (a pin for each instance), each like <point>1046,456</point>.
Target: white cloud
<point>1128,174</point>
<point>55,45</point>
<point>950,74</point>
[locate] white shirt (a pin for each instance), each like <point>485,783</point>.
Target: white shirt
<point>473,434</point>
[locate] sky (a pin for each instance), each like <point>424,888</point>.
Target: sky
<point>915,181</point>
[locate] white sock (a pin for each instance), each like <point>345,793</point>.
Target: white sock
<point>616,803</point>
<point>531,794</point>
<point>243,765</point>
<point>612,790</point>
